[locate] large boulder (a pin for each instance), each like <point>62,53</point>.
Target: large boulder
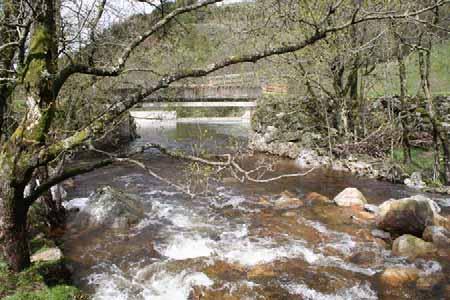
<point>408,215</point>
<point>350,197</point>
<point>437,235</point>
<point>410,246</point>
<point>111,208</point>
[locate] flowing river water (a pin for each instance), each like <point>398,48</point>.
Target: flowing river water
<point>236,243</point>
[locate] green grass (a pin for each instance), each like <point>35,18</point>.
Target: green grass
<point>388,81</point>
<point>42,281</point>
<point>422,161</point>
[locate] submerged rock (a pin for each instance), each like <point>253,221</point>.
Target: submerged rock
<point>51,254</point>
<point>407,216</point>
<point>412,247</point>
<point>437,235</point>
<point>317,198</point>
<point>261,271</point>
<point>288,200</point>
<point>396,277</point>
<point>428,283</point>
<point>111,208</point>
<point>350,197</point>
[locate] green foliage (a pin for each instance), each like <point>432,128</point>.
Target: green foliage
<point>61,292</point>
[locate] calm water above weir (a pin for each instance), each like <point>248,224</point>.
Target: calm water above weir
<point>237,243</point>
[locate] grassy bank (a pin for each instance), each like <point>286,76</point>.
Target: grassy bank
<point>42,281</point>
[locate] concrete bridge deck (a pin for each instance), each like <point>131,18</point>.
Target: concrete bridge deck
<point>243,104</point>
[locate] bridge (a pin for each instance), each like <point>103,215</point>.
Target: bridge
<point>231,90</point>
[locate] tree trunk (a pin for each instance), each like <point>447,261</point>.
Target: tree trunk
<point>404,114</point>
<point>438,133</point>
<point>13,227</point>
<point>55,212</point>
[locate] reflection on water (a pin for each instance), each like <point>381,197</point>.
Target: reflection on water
<point>228,245</point>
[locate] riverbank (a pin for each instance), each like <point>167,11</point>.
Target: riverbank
<point>360,165</point>
<point>47,278</point>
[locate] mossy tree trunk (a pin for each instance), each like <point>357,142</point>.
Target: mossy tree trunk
<point>439,134</point>
<point>404,113</point>
<point>19,156</point>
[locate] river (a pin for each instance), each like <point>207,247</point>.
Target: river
<point>235,243</point>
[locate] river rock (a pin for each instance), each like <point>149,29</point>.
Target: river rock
<point>437,235</point>
<point>415,181</point>
<point>288,200</point>
<point>410,246</point>
<point>384,235</point>
<point>350,197</point>
<point>317,198</point>
<point>430,282</point>
<point>371,208</point>
<point>408,215</point>
<point>308,158</point>
<point>50,254</point>
<point>398,276</point>
<point>261,271</point>
<point>111,208</point>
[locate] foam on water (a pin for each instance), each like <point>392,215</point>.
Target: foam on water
<point>185,247</point>
<point>79,203</point>
<point>248,252</point>
<point>168,286</point>
<point>361,291</point>
<point>429,267</point>
<point>111,284</point>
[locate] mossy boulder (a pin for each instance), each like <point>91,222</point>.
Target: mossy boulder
<point>411,246</point>
<point>110,208</point>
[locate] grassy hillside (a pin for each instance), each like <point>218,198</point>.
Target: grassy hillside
<point>387,74</point>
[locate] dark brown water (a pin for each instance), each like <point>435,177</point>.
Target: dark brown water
<point>235,243</point>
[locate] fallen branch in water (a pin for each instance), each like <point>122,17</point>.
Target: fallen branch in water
<point>241,175</point>
<point>220,162</point>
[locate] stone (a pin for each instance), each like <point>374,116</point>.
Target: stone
<point>371,208</point>
<point>263,200</point>
<point>51,254</point>
<point>308,158</point>
<point>428,283</point>
<point>398,276</point>
<point>438,235</point>
<point>415,181</point>
<point>410,246</point>
<point>441,221</point>
<point>111,208</point>
<point>381,234</point>
<point>260,271</point>
<point>407,216</point>
<point>288,200</point>
<point>350,197</point>
<point>317,198</point>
